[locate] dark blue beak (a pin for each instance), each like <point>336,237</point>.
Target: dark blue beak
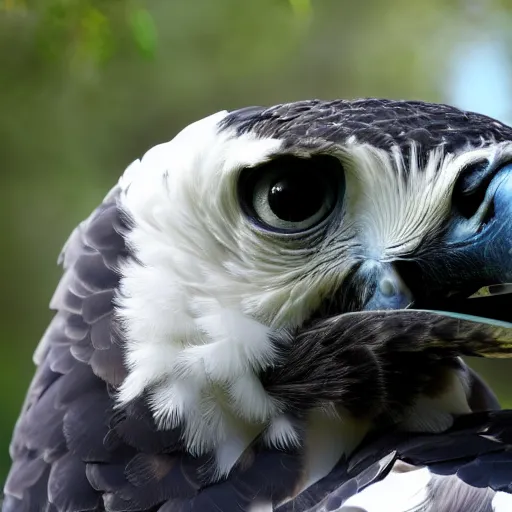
<point>473,250</point>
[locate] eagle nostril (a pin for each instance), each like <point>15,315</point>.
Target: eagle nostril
<point>387,287</point>
<point>390,291</point>
<point>469,193</point>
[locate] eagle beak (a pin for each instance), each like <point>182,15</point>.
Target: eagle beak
<point>463,273</point>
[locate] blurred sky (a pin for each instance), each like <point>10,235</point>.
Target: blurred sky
<point>87,86</point>
<point>481,79</point>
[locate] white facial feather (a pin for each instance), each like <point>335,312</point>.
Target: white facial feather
<point>188,341</point>
<point>207,289</point>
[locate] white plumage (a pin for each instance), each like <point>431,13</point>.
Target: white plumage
<point>210,288</point>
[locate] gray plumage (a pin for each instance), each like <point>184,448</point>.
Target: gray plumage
<point>73,450</point>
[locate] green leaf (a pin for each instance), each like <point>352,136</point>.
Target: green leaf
<point>144,31</point>
<point>301,8</point>
<point>96,41</point>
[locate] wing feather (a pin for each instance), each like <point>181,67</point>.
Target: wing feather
<point>65,415</point>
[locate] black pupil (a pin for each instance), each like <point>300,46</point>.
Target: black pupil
<point>296,196</point>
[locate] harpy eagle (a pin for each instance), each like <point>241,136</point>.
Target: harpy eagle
<point>269,312</point>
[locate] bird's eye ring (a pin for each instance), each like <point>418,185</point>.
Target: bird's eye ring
<point>291,194</point>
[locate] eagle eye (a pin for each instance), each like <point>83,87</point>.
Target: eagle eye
<point>291,194</point>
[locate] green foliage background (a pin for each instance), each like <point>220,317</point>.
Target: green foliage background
<point>86,86</point>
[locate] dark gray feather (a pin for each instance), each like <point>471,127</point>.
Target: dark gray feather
<point>382,123</point>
